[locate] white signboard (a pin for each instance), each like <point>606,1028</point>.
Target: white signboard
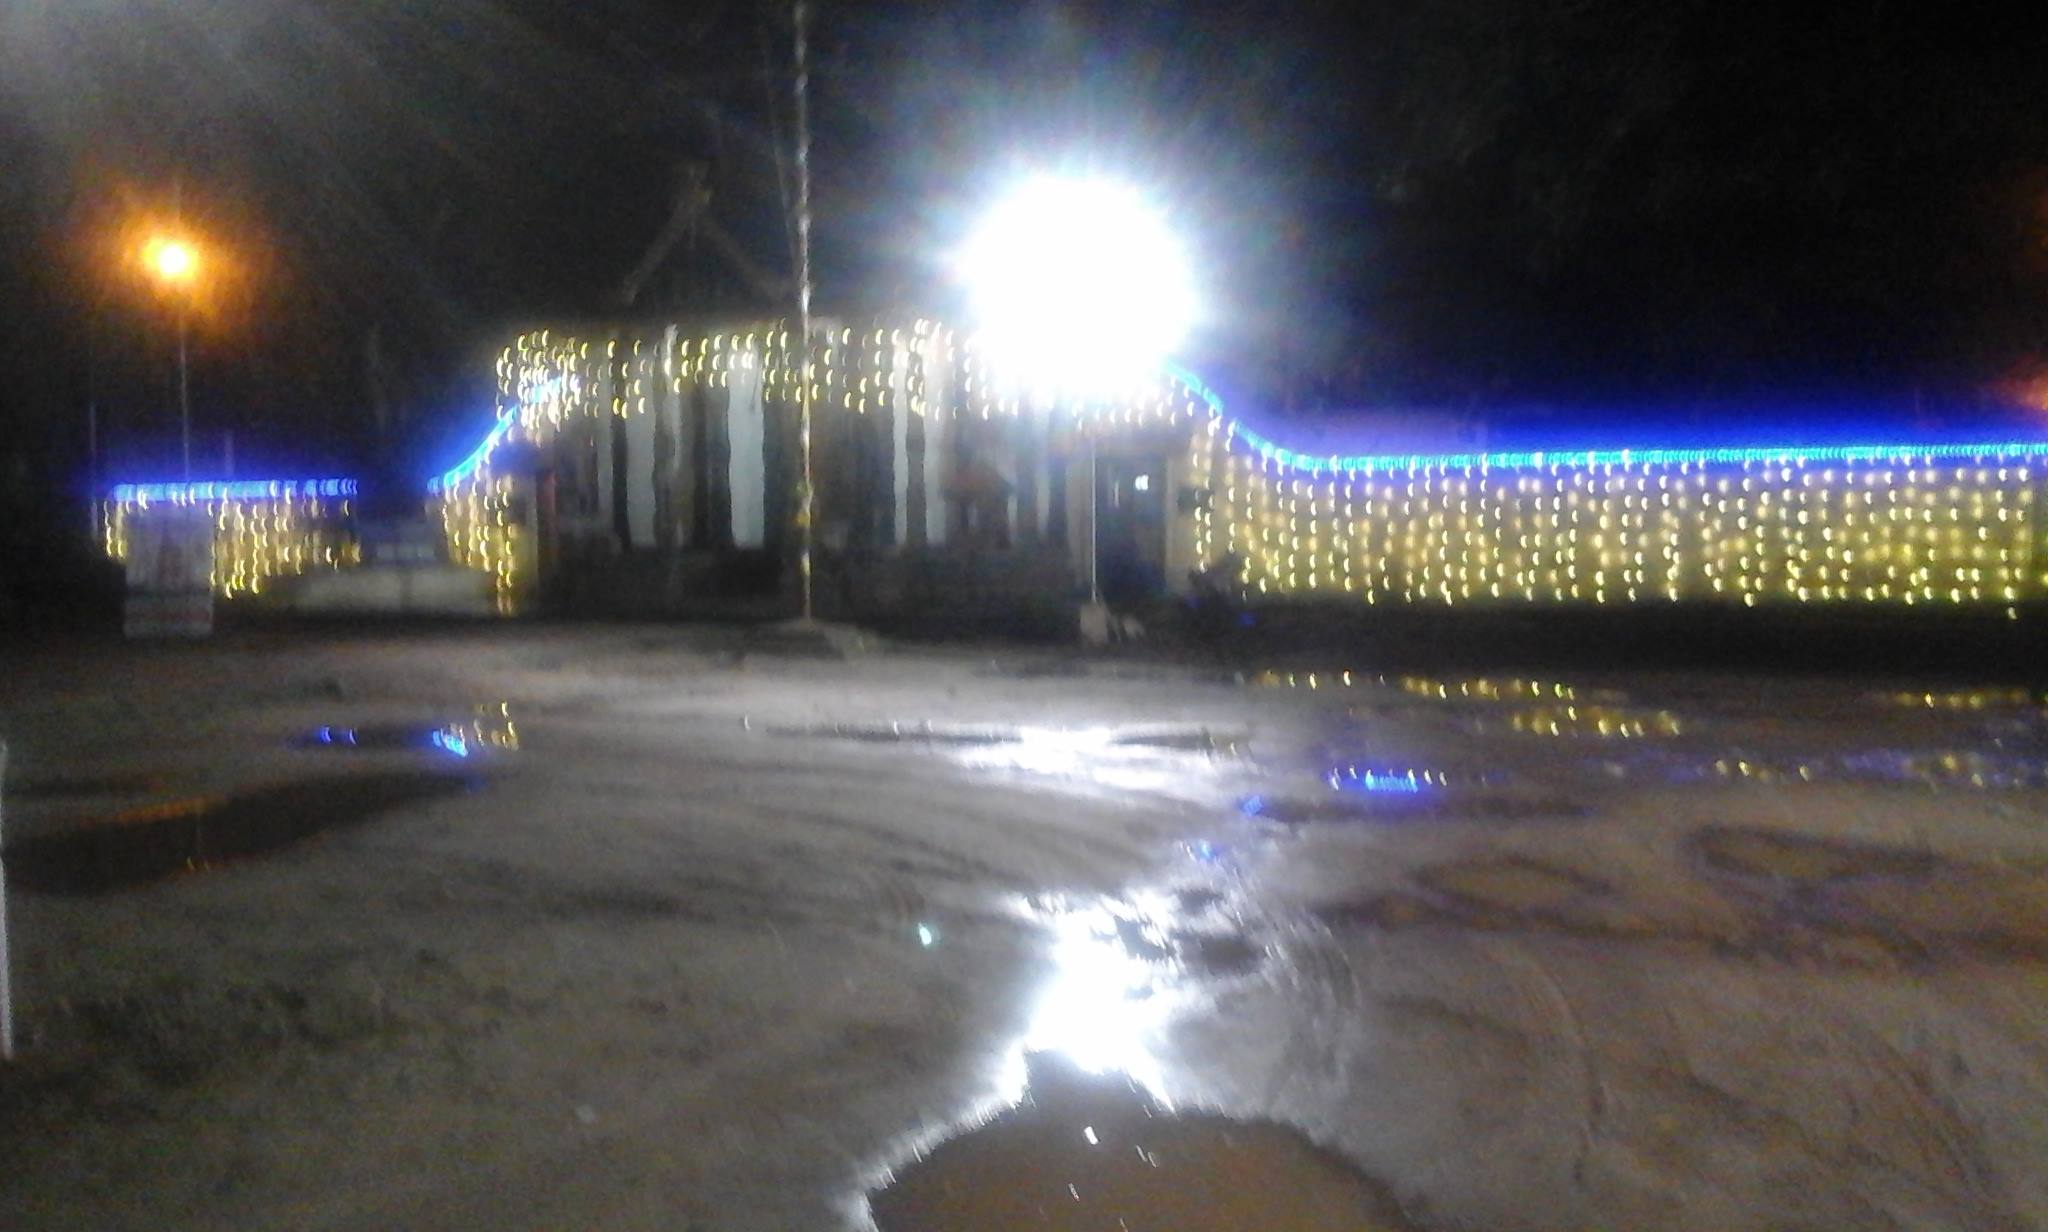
<point>170,573</point>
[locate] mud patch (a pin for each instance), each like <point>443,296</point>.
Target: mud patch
<point>1794,899</point>
<point>1506,894</point>
<point>1803,860</point>
<point>1514,884</point>
<point>139,846</point>
<point>1095,1153</point>
<point>1913,904</point>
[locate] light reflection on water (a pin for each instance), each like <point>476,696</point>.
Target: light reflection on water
<point>1943,769</point>
<point>1085,1136</point>
<point>1161,760</point>
<point>1588,721</point>
<point>1114,987</point>
<point>490,727</point>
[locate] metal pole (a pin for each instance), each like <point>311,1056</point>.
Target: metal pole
<point>1094,534</point>
<point>184,389</point>
<point>184,397</point>
<point>6,970</point>
<point>92,422</point>
<point>806,494</point>
<point>92,466</point>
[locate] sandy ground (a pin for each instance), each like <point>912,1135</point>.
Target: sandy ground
<point>657,928</point>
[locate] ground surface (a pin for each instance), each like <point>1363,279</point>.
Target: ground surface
<point>663,928</point>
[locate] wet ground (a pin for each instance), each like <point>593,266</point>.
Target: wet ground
<point>653,928</point>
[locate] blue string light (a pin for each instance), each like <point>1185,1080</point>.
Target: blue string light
<point>240,489</point>
<point>1782,455</point>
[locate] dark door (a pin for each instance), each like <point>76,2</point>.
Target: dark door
<point>1130,502</point>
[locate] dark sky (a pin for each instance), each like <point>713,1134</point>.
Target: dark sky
<point>1492,203</point>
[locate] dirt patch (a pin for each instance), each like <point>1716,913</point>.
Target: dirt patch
<point>1094,1153</point>
<point>1507,893</point>
<point>1913,902</point>
<point>1802,860</point>
<point>1514,884</point>
<point>143,845</point>
<point>85,786</point>
<point>1793,899</point>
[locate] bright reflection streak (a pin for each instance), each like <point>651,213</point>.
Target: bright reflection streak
<point>1121,758</point>
<point>1114,987</point>
<point>1078,286</point>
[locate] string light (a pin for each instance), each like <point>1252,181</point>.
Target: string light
<point>1878,523</point>
<point>263,529</point>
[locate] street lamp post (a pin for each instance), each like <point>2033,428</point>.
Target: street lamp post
<point>175,264</point>
<point>807,493</point>
<point>184,398</point>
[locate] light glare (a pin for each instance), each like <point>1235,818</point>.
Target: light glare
<point>172,260</point>
<point>1078,286</point>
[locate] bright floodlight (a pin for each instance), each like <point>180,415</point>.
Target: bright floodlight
<point>172,260</point>
<point>1078,286</point>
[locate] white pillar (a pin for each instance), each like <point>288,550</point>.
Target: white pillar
<point>747,435</point>
<point>939,409</point>
<point>899,452</point>
<point>639,428</point>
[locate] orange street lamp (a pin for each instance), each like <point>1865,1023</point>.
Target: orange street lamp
<point>175,263</point>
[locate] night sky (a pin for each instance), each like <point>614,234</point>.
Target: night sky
<point>1636,214</point>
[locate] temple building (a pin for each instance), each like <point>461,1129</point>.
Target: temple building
<point>641,469</point>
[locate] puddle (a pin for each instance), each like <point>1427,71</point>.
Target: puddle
<point>1089,1138</point>
<point>1082,669</point>
<point>1485,689</point>
<point>1584,720</point>
<point>1969,700</point>
<point>1800,859</point>
<point>899,733</point>
<point>1182,762</point>
<point>1938,768</point>
<point>491,728</point>
<point>1097,1153</point>
<point>143,845</point>
<point>1398,799</point>
<point>1490,689</point>
<point>1197,740</point>
<point>1123,968</point>
<point>1041,747</point>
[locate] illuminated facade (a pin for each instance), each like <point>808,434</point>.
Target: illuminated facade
<point>670,438</point>
<point>618,441</point>
<point>264,530</point>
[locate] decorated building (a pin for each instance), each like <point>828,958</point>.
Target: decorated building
<point>611,441</point>
<point>264,532</point>
<point>644,466</point>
